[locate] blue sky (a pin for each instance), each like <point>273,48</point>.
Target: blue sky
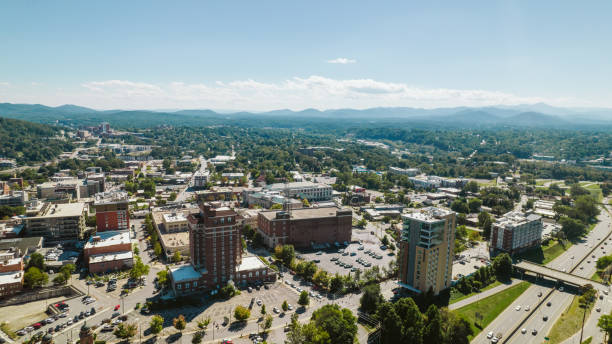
<point>263,55</point>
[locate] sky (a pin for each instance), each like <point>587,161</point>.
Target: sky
<point>266,55</point>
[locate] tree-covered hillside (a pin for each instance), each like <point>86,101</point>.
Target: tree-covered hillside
<point>29,142</point>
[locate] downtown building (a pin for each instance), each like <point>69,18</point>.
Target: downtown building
<point>427,245</point>
<point>216,254</point>
<point>515,232</point>
<point>112,211</point>
<point>306,227</point>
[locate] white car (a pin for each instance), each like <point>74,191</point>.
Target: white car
<point>527,308</point>
<point>259,302</point>
<point>523,331</point>
<point>289,307</point>
<point>489,335</point>
<point>275,310</point>
<point>518,308</point>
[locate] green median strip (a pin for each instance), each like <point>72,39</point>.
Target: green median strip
<point>490,307</point>
<point>569,323</point>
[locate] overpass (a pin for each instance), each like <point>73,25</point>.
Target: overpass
<point>543,271</point>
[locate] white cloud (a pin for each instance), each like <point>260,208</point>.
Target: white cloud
<point>34,83</point>
<point>295,93</point>
<point>5,83</point>
<point>342,60</point>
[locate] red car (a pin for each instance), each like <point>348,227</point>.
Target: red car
<point>37,325</point>
<point>117,307</point>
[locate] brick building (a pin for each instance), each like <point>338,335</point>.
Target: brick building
<point>516,231</point>
<point>112,211</point>
<point>11,275</point>
<point>216,253</point>
<point>109,251</point>
<point>305,227</point>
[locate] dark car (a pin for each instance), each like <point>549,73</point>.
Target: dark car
<point>92,311</point>
<point>545,317</point>
<point>548,303</point>
<point>81,315</point>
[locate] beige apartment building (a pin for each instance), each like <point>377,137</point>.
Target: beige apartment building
<point>427,250</point>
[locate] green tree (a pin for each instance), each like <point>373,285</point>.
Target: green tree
<point>139,269</point>
<point>241,313</point>
<point>125,330</point>
<point>267,323</point>
<point>572,228</point>
<point>36,260</point>
<point>203,323</point>
<point>33,277</point>
<point>285,253</point>
<point>305,203</point>
<point>156,324</point>
<point>485,222</point>
<point>474,204</point>
<point>304,299</point>
<point>432,333</point>
<point>157,249</point>
<point>336,284</point>
<point>177,257</point>
<point>605,325</point>
<point>340,324</point>
<point>162,278</point>
<point>285,306</point>
<point>371,298</point>
<point>179,323</point>
<point>263,309</point>
<point>502,266</point>
<point>391,324</point>
<point>276,206</point>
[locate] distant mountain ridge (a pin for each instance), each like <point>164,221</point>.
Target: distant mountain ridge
<point>490,116</point>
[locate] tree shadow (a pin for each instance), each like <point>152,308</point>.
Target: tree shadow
<point>237,326</point>
<point>173,338</point>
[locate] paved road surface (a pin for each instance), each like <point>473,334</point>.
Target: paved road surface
<point>509,318</point>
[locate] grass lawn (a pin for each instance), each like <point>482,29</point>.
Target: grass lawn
<point>545,253</point>
<point>458,296</point>
<point>596,277</point>
<point>490,307</point>
<point>588,340</point>
<point>568,324</point>
<point>595,191</point>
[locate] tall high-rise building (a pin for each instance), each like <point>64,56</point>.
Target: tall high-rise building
<point>112,211</point>
<point>215,244</point>
<point>427,250</point>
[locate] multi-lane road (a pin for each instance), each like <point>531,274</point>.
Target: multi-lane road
<point>571,261</point>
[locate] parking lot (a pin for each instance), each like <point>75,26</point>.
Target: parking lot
<point>363,253</point>
<point>472,259</point>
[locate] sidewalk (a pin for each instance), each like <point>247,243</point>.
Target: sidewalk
<point>482,295</point>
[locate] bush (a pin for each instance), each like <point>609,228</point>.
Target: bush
<point>241,313</point>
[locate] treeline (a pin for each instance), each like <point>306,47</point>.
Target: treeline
<point>28,142</point>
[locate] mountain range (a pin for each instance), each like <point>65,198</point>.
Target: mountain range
<point>535,115</point>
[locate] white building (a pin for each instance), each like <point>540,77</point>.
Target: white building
<point>410,172</point>
<point>308,190</point>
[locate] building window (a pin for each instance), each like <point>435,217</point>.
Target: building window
<point>178,286</point>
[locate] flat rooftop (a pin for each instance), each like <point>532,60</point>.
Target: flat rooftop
<point>429,214</point>
<point>10,277</point>
<point>64,210</point>
<point>174,217</point>
<point>306,213</point>
<point>175,239</point>
<point>184,273</point>
<point>110,197</point>
<point>516,218</point>
<point>109,238</point>
<point>109,257</point>
<point>251,263</point>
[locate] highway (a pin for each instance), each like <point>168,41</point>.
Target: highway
<point>571,258</point>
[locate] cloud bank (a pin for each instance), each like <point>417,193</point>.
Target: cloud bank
<point>295,93</point>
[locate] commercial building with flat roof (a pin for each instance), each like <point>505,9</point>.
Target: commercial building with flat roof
<point>305,227</point>
<point>14,198</point>
<point>427,245</point>
<point>112,211</point>
<point>411,172</point>
<point>108,251</point>
<point>516,231</point>
<point>308,190</point>
<point>58,222</point>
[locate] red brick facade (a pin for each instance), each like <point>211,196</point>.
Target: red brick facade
<point>215,245</point>
<point>112,217</point>
<point>333,225</point>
